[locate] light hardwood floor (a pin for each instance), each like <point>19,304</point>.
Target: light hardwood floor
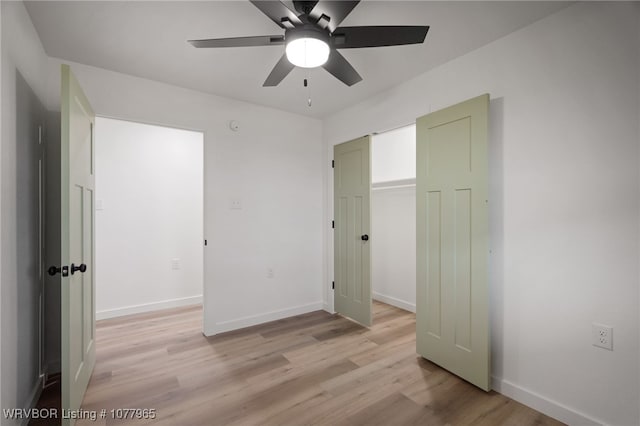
<point>315,368</point>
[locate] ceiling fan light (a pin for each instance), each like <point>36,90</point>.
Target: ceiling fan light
<point>307,52</point>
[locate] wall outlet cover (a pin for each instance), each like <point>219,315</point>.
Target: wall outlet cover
<point>602,336</point>
<point>235,204</point>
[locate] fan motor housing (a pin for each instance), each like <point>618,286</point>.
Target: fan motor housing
<point>306,32</point>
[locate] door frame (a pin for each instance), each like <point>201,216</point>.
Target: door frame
<point>53,360</point>
<point>204,191</point>
<point>328,240</point>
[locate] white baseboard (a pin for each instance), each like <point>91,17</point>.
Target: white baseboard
<point>398,303</point>
<point>326,307</point>
<point>33,398</point>
<point>235,324</point>
<point>544,405</point>
<point>148,307</point>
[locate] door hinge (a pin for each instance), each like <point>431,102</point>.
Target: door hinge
<point>205,242</point>
<point>333,224</point>
<point>333,285</point>
<point>333,164</point>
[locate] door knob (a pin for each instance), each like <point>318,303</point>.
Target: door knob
<point>82,268</point>
<point>63,270</point>
<point>365,237</point>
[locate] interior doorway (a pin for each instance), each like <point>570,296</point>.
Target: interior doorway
<point>375,193</point>
<point>148,226</point>
<point>393,217</point>
<point>429,201</point>
<point>149,217</point>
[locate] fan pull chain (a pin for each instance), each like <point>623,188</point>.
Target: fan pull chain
<point>306,84</point>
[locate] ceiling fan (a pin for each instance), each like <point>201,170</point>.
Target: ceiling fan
<point>312,37</point>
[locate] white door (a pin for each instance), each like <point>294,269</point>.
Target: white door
<point>352,195</point>
<point>77,231</point>
<point>452,323</point>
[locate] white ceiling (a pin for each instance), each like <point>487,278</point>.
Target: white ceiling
<point>148,39</point>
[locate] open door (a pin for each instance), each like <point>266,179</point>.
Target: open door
<point>352,195</point>
<point>77,249</point>
<point>452,322</point>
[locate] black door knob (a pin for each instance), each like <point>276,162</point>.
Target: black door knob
<point>365,237</point>
<point>82,268</point>
<point>63,270</point>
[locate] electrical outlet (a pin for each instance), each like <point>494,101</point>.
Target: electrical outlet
<point>235,204</point>
<point>175,263</point>
<point>270,273</point>
<point>602,336</point>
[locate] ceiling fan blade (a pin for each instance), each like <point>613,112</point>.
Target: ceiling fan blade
<point>341,69</point>
<point>335,10</point>
<point>278,12</point>
<point>375,36</point>
<point>304,6</point>
<point>239,41</point>
<point>279,72</point>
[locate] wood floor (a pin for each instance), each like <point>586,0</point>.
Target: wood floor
<point>315,368</point>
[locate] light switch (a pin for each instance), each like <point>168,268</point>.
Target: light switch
<point>99,204</point>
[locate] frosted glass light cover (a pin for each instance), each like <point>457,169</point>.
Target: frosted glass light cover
<point>307,52</point>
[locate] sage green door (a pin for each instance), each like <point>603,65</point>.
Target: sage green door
<point>352,263</point>
<point>77,232</point>
<point>452,322</point>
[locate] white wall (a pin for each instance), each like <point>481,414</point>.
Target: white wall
<point>149,192</point>
<point>393,154</point>
<point>272,164</point>
<point>22,53</point>
<point>564,201</point>
<point>393,245</point>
